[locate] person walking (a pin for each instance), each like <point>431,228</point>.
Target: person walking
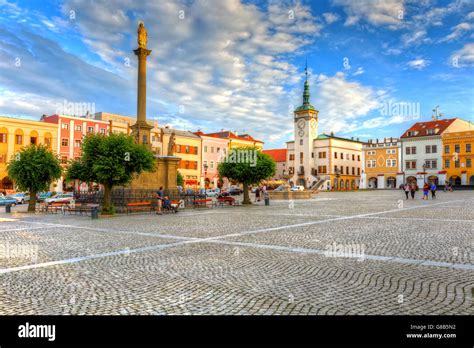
<point>426,189</point>
<point>257,194</point>
<point>406,188</point>
<point>412,190</point>
<point>433,190</point>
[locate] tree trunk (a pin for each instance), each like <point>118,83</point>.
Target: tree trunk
<point>246,195</point>
<point>107,204</point>
<point>32,202</point>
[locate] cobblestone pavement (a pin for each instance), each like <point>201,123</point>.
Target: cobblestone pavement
<point>338,253</point>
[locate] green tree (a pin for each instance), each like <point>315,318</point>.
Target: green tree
<point>110,160</point>
<point>247,165</point>
<point>179,179</point>
<point>33,169</point>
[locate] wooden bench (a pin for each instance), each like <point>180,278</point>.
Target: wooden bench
<point>55,206</point>
<point>227,200</point>
<point>208,202</point>
<point>139,206</point>
<point>81,208</point>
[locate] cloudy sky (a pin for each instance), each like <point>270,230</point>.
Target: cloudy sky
<point>375,67</point>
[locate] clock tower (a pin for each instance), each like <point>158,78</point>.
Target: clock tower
<point>306,131</point>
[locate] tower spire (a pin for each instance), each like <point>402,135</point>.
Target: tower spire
<point>306,86</point>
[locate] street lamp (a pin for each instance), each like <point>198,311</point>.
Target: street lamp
<point>424,173</point>
<point>205,173</point>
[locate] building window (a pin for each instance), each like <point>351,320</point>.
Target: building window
<point>292,157</point>
<point>457,148</point>
<point>430,131</point>
<point>321,154</point>
<point>353,171</point>
<point>342,156</point>
<point>187,151</point>
<point>218,150</point>
<point>102,130</point>
<point>410,164</point>
<point>77,143</point>
<point>468,163</point>
<point>212,149</point>
<point>64,125</point>
<point>301,141</point>
<point>335,169</point>
<point>347,156</point>
<point>371,164</point>
<point>446,148</point>
<point>47,142</point>
<point>78,128</point>
<point>411,150</point>
<point>358,171</point>
<point>358,158</point>
<point>446,163</point>
<point>90,129</point>
<point>353,157</point>
<point>391,151</point>
<point>456,164</point>
<point>3,137</point>
<point>301,158</point>
<point>312,154</point>
<point>212,165</point>
<point>468,147</point>
<point>431,149</point>
<point>428,148</point>
<point>33,140</point>
<point>335,154</point>
<point>63,159</point>
<point>18,139</point>
<point>391,163</point>
<point>205,148</point>
<point>64,142</point>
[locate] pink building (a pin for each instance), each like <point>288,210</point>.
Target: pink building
<point>71,130</point>
<point>214,149</point>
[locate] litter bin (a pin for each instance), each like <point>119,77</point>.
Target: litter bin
<point>8,208</point>
<point>95,213</point>
<point>267,198</point>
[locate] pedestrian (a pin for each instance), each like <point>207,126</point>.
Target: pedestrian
<point>257,194</point>
<point>412,190</point>
<point>426,189</point>
<point>406,188</point>
<point>159,197</point>
<point>433,190</point>
<point>446,186</point>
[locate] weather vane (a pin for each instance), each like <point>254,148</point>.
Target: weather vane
<point>306,69</point>
<point>436,116</point>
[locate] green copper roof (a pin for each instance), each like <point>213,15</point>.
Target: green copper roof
<point>306,105</point>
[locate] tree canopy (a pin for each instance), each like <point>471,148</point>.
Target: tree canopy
<point>33,169</point>
<point>110,160</point>
<point>247,165</point>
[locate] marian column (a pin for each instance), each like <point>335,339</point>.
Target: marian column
<point>141,129</point>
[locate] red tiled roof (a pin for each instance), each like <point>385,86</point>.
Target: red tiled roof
<point>231,135</point>
<point>279,155</point>
<point>422,127</point>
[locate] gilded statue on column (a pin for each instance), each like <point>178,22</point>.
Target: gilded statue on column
<point>142,35</point>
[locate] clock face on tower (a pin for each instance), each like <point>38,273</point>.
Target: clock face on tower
<point>312,125</point>
<point>300,124</point>
<point>301,133</point>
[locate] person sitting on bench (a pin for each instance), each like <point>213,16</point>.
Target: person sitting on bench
<point>166,203</point>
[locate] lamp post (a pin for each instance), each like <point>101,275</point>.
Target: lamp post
<point>424,173</point>
<point>205,174</point>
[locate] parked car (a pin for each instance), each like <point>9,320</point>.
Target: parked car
<point>235,191</point>
<point>297,188</point>
<point>60,198</point>
<point>43,195</point>
<point>223,194</point>
<point>21,197</point>
<point>282,188</point>
<point>8,200</point>
<point>213,192</point>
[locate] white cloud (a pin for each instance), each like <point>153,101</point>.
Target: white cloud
<point>463,57</point>
<point>376,12</point>
<point>457,31</point>
<point>418,63</point>
<point>330,17</point>
<point>359,71</point>
<point>342,102</point>
<point>415,38</point>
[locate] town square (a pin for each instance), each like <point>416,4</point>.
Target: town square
<point>237,158</point>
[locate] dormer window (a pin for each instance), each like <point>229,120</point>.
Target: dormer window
<point>431,131</point>
<point>411,133</point>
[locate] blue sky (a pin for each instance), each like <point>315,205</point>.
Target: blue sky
<point>375,67</point>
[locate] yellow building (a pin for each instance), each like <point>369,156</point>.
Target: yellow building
<point>458,155</point>
<point>187,146</point>
<point>16,133</point>
<point>381,162</point>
